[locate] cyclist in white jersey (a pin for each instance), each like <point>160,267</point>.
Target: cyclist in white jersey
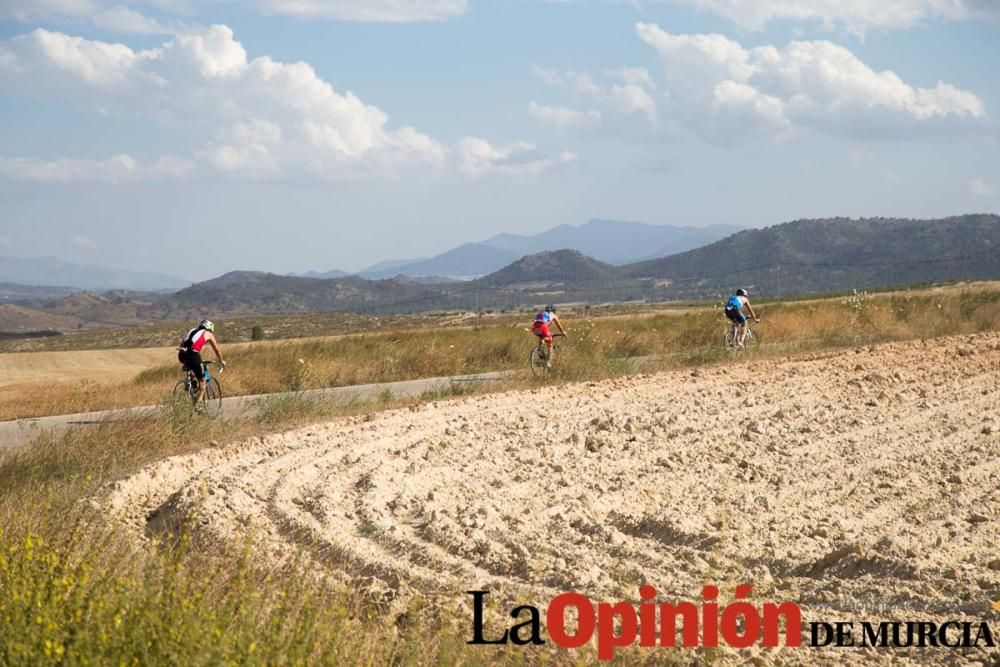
<point>189,353</point>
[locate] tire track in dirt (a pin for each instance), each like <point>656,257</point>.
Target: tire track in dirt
<point>863,484</point>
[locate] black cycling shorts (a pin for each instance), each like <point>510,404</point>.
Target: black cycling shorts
<point>736,315</point>
<point>191,361</point>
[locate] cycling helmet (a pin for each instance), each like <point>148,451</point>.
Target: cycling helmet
<point>207,324</point>
<point>550,308</point>
<point>741,292</point>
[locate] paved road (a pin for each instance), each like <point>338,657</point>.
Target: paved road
<point>16,432</point>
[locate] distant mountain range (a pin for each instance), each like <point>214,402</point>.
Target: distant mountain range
<point>16,292</point>
<point>613,241</point>
<point>77,311</point>
<point>609,241</point>
<point>794,258</point>
<point>800,257</point>
<point>466,261</point>
<point>257,292</point>
<point>52,271</point>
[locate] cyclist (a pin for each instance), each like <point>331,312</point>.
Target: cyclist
<point>189,353</point>
<point>734,311</point>
<point>541,329</point>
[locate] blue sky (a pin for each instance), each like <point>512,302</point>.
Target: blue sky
<point>196,138</point>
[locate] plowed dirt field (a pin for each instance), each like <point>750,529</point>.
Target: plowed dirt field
<point>862,484</point>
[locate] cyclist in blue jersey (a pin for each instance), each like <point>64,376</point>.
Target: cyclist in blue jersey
<point>734,311</point>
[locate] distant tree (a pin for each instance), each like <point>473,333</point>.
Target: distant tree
<point>257,332</point>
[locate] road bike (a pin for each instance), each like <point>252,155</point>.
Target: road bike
<point>190,387</point>
<point>731,339</point>
<point>539,357</point>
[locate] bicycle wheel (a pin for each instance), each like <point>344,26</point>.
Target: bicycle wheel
<point>729,339</point>
<point>213,398</point>
<point>183,390</point>
<point>537,360</point>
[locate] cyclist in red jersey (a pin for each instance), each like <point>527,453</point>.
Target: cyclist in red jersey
<point>189,353</point>
<point>541,329</point>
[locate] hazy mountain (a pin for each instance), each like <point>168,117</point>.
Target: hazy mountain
<point>52,271</point>
<point>15,292</point>
<point>427,280</point>
<point>332,273</point>
<point>256,292</point>
<point>613,241</point>
<point>16,319</point>
<point>609,241</point>
<point>386,268</point>
<point>836,254</point>
<point>113,308</point>
<point>547,268</point>
<point>467,260</point>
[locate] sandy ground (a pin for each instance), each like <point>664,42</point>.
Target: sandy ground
<point>862,485</point>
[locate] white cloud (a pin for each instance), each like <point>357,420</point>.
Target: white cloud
<point>549,76</point>
<point>855,15</point>
<point>117,169</point>
<point>105,15</point>
<point>259,116</point>
<point>584,85</point>
<point>85,242</point>
<point>253,118</point>
<point>720,88</point>
<point>860,156</point>
<point>980,188</point>
<point>126,18</point>
<point>478,157</point>
<point>54,63</point>
<point>114,170</point>
<point>639,76</point>
<point>564,117</point>
<point>390,11</point>
<point>629,98</point>
<point>633,99</point>
<point>129,21</point>
<point>170,166</point>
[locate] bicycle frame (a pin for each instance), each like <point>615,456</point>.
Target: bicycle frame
<point>734,340</point>
<point>194,380</point>
<point>207,396</point>
<point>541,350</point>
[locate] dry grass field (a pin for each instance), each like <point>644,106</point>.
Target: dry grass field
<point>57,382</point>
